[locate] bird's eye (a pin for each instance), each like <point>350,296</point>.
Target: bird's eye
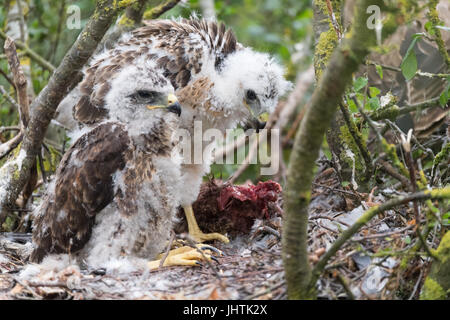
<point>251,95</point>
<point>145,95</point>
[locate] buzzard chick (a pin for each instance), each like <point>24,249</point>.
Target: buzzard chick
<point>218,81</point>
<point>115,191</point>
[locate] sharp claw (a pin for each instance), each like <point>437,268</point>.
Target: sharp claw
<point>214,258</point>
<point>99,272</point>
<point>208,247</point>
<point>198,263</point>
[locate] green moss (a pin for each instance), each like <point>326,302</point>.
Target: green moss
<point>437,284</point>
<point>439,193</point>
<point>324,50</point>
<point>435,21</point>
<point>432,290</point>
<point>327,40</point>
<point>392,154</point>
<point>124,3</point>
<point>336,4</point>
<point>443,155</point>
<point>390,112</point>
<point>306,196</point>
<point>443,251</point>
<point>125,21</point>
<point>347,138</point>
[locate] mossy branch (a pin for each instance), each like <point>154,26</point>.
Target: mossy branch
<point>346,59</point>
<point>393,111</point>
<point>359,140</point>
<point>435,22</point>
<point>437,283</point>
<point>437,194</point>
<point>132,18</point>
<point>159,10</point>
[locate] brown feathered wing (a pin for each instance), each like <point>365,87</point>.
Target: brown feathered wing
<point>83,187</point>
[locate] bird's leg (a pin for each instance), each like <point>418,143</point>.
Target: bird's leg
<point>195,232</point>
<point>186,256</point>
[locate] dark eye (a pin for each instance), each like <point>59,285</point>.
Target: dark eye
<point>145,95</point>
<point>251,95</point>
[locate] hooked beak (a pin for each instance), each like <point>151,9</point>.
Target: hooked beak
<point>172,105</point>
<point>254,123</point>
<point>257,122</point>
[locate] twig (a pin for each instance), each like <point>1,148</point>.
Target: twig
<point>6,77</point>
<point>9,128</point>
<point>334,22</point>
<point>41,165</point>
<point>8,97</point>
<point>435,21</point>
<point>367,119</point>
<point>329,218</point>
<point>166,254</point>
<point>381,235</point>
<point>413,138</point>
<point>159,10</point>
<point>269,290</point>
<point>251,153</point>
<point>335,189</point>
<point>58,30</point>
<point>416,286</point>
<point>418,72</point>
<point>443,193</point>
<point>21,21</point>
<point>358,140</point>
<point>389,169</point>
<point>392,112</point>
<point>20,81</point>
<point>10,145</point>
<point>344,284</point>
<point>406,144</point>
<point>31,53</point>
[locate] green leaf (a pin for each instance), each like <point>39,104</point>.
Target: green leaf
<point>373,103</point>
<point>409,66</point>
<point>360,83</point>
<point>345,183</point>
<point>352,106</point>
<point>407,240</point>
<point>379,70</point>
<point>445,95</point>
<point>409,63</point>
<point>429,28</point>
<point>374,91</point>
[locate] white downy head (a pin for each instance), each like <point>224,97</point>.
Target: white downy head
<point>249,84</point>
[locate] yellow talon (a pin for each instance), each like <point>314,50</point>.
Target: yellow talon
<point>195,232</point>
<point>184,256</point>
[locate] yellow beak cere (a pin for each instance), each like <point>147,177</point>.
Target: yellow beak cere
<point>171,99</point>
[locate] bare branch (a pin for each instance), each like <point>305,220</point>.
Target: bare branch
<point>20,81</point>
<point>11,144</point>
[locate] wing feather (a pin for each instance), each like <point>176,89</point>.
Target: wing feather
<point>83,187</point>
<point>180,45</point>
